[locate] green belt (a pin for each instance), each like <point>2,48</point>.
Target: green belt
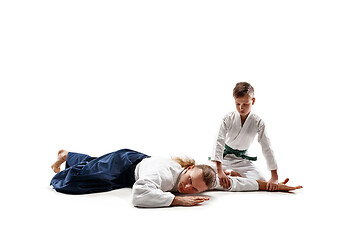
<point>238,153</point>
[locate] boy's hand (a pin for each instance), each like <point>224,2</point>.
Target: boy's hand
<point>272,185</point>
<point>224,180</point>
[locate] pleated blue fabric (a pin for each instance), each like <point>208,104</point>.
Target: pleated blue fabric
<point>84,174</point>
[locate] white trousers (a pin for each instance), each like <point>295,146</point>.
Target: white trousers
<point>248,171</point>
<point>246,168</point>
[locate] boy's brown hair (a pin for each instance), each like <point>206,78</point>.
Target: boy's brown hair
<point>243,88</point>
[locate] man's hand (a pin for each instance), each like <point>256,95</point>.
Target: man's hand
<point>188,200</point>
<point>281,186</point>
<point>285,188</point>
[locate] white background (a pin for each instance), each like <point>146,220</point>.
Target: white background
<point>157,76</point>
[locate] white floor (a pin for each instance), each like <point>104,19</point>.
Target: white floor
<point>157,76</point>
<point>321,209</point>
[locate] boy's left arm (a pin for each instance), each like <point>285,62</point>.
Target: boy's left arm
<point>272,184</point>
<point>263,139</point>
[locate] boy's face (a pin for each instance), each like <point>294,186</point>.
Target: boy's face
<point>243,104</point>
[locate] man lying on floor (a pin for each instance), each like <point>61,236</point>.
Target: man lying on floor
<point>153,179</point>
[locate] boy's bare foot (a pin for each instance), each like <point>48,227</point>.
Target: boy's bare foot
<point>232,173</point>
<point>62,155</point>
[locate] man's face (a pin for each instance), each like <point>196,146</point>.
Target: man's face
<point>244,104</point>
<point>192,181</point>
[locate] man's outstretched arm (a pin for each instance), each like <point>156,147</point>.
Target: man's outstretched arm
<point>281,186</point>
<point>262,184</point>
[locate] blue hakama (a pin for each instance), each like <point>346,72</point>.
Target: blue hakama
<point>84,174</point>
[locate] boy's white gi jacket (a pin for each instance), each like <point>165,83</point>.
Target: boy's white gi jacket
<point>157,177</point>
<point>240,137</point>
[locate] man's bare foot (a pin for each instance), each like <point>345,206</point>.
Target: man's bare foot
<point>62,155</point>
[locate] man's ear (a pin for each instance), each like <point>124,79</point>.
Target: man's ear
<point>253,101</point>
<point>190,167</point>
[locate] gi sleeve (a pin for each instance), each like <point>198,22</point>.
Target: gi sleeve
<point>147,193</point>
<point>238,184</point>
<point>267,151</point>
<point>220,140</point>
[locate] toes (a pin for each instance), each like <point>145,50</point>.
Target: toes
<point>61,153</point>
